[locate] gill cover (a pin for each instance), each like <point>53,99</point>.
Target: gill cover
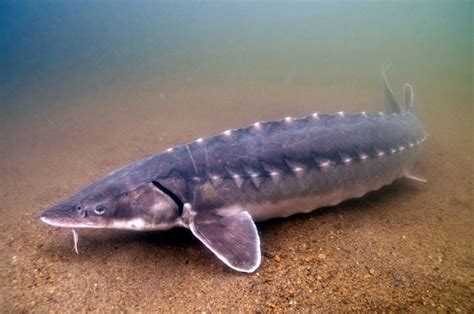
<point>148,206</point>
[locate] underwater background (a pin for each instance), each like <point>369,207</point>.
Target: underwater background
<point>88,86</point>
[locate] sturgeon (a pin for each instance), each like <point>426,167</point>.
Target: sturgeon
<point>219,186</point>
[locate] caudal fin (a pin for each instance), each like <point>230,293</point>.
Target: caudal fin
<point>409,96</point>
<point>392,103</point>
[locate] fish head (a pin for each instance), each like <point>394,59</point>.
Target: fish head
<point>143,206</point>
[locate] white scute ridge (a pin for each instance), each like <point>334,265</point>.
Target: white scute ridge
<point>238,180</point>
<point>363,156</point>
<point>346,159</point>
<point>324,164</point>
<point>276,177</point>
<point>297,168</point>
<point>216,180</point>
<point>256,179</point>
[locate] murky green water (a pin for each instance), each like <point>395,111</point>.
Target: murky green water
<point>52,52</point>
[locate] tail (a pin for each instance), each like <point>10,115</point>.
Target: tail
<point>392,103</point>
<point>394,106</point>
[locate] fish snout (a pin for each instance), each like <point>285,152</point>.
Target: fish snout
<point>60,216</point>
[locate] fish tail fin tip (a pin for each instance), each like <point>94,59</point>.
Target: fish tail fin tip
<point>392,103</point>
<point>409,96</point>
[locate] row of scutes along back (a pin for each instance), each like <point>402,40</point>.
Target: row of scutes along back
<point>289,122</point>
<point>299,169</point>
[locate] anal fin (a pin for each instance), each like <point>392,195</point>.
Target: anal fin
<point>415,177</point>
<point>233,239</point>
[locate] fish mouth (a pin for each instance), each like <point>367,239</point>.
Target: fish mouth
<point>66,222</point>
<point>55,223</point>
<point>56,219</point>
<point>49,218</point>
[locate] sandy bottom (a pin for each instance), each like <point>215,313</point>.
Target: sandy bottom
<point>408,246</point>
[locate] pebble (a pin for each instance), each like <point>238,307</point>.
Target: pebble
<point>398,277</point>
<point>271,305</point>
<point>366,276</point>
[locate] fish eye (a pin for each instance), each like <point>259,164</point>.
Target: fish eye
<point>78,207</point>
<point>99,210</point>
<point>124,194</point>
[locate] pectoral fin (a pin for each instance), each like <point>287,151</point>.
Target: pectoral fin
<point>233,239</point>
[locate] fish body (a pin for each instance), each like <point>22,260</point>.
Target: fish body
<point>220,185</point>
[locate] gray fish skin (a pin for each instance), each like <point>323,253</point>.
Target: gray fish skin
<point>218,186</point>
<point>329,157</point>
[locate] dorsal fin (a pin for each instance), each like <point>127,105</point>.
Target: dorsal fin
<point>391,101</point>
<point>409,96</point>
